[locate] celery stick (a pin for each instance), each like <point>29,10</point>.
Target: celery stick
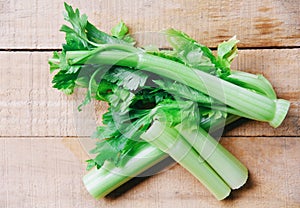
<point>253,105</point>
<point>229,168</point>
<point>170,141</point>
<point>100,182</point>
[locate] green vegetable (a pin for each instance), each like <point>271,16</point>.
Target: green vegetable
<point>171,142</point>
<point>250,104</point>
<point>160,102</point>
<point>100,182</point>
<point>232,171</point>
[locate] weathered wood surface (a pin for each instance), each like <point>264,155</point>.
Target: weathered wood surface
<point>41,163</point>
<point>41,172</point>
<point>30,107</point>
<point>34,24</point>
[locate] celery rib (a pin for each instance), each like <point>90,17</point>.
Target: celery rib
<point>170,141</point>
<point>229,168</point>
<point>100,182</point>
<point>255,105</point>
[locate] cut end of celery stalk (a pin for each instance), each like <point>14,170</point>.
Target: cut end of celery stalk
<point>282,107</point>
<point>242,181</point>
<point>95,184</point>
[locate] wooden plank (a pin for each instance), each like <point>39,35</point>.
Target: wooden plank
<point>35,24</point>
<point>30,107</point>
<point>41,172</point>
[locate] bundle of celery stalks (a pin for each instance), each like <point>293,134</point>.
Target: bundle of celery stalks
<point>162,102</point>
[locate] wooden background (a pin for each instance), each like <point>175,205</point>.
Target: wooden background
<point>41,161</point>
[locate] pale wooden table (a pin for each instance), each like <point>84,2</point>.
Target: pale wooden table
<point>41,161</point>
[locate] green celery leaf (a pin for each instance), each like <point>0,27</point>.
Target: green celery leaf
<point>54,62</point>
<point>76,38</point>
<point>119,102</point>
<point>137,127</point>
<point>67,75</point>
<point>92,88</point>
<point>64,66</point>
<point>122,126</point>
<point>200,57</point>
<point>104,89</point>
<point>99,37</point>
<point>85,35</point>
<point>107,117</point>
<point>168,54</point>
<point>107,131</point>
<point>129,39</point>
<point>174,112</point>
<point>115,148</point>
<point>90,164</point>
<point>190,52</point>
<point>148,97</point>
<point>65,81</point>
<point>120,30</point>
<point>128,78</point>
<point>104,152</point>
<point>228,49</point>
<point>73,41</point>
<point>78,21</point>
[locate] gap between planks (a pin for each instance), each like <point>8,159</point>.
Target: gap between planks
<point>212,48</point>
<point>87,137</point>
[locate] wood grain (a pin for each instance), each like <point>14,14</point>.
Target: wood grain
<point>30,107</point>
<point>34,24</point>
<point>54,179</point>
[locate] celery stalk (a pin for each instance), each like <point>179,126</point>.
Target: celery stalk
<point>253,105</point>
<point>170,141</point>
<point>251,81</point>
<point>229,168</point>
<point>100,182</point>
